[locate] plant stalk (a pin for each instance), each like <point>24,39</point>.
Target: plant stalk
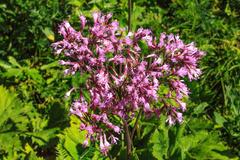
<point>129,15</point>
<point>128,135</point>
<point>128,139</point>
<point>135,124</point>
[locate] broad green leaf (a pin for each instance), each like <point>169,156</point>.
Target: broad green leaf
<point>71,141</point>
<point>44,136</point>
<point>14,123</point>
<point>159,140</point>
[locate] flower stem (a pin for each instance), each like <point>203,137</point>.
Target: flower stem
<point>128,139</point>
<point>136,122</point>
<point>129,15</point>
<point>127,133</point>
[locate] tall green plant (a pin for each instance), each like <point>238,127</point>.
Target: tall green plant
<point>19,128</point>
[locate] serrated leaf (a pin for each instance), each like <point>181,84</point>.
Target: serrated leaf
<point>159,139</point>
<point>72,140</point>
<point>14,123</point>
<point>71,147</point>
<point>43,136</point>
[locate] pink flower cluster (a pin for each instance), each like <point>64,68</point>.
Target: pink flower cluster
<point>122,78</point>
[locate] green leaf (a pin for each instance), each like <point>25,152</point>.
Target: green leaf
<point>14,62</point>
<point>50,65</point>
<point>13,72</point>
<point>76,3</point>
<point>219,119</point>
<point>4,65</point>
<point>34,74</point>
<point>172,102</point>
<point>49,33</point>
<point>71,141</point>
<point>44,136</point>
<point>79,79</point>
<point>148,129</point>
<point>163,90</point>
<point>228,10</point>
<point>14,123</point>
<point>159,139</point>
<point>200,108</point>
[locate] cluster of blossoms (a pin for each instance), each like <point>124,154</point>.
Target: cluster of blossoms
<point>122,79</point>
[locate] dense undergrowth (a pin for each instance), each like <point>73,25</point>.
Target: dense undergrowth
<point>34,119</point>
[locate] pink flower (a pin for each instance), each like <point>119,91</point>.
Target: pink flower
<point>162,40</point>
<point>96,16</point>
<point>85,143</point>
<point>182,72</point>
<point>121,79</point>
<point>80,107</point>
<point>182,105</point>
<point>69,93</point>
<point>179,117</point>
<point>83,21</point>
<point>180,88</point>
<point>113,139</point>
<point>170,120</point>
<point>104,144</point>
<point>102,77</point>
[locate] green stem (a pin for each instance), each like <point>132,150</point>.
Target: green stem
<point>135,124</point>
<point>128,140</point>
<point>129,15</point>
<point>128,135</point>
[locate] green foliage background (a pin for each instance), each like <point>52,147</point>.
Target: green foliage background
<point>34,119</point>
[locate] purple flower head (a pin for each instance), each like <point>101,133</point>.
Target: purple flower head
<point>83,21</point>
<point>122,81</point>
<point>104,144</point>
